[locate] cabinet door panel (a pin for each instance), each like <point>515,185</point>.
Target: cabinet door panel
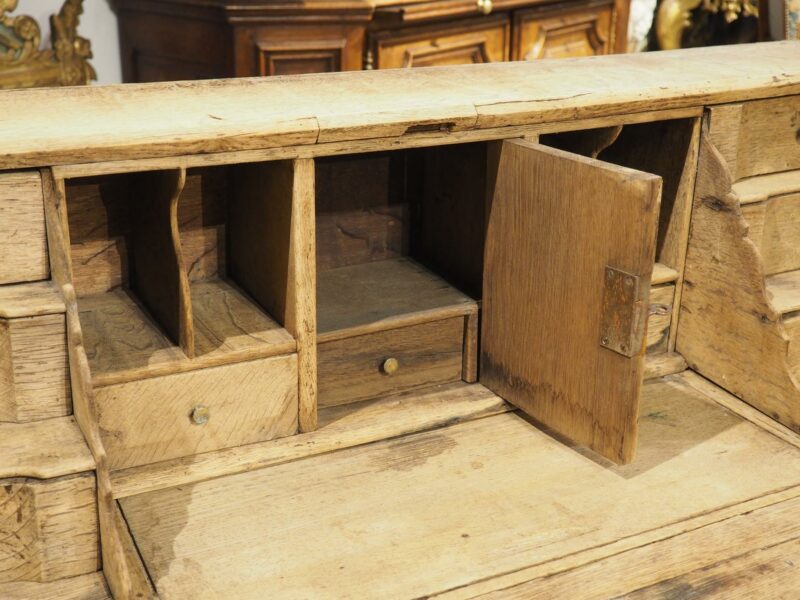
<point>474,41</point>
<point>560,34</point>
<point>569,254</point>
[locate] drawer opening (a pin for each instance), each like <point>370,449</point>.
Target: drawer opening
<point>400,239</point>
<point>176,271</point>
<point>666,149</point>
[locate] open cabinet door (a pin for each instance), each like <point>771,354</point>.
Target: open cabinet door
<point>569,254</point>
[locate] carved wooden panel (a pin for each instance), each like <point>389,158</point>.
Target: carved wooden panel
<point>560,34</point>
<point>290,58</point>
<point>475,41</point>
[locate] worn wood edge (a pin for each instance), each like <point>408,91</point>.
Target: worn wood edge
<point>92,586</point>
<point>55,305</point>
<point>739,407</point>
<point>185,365</point>
<point>663,274</point>
<point>760,188</point>
<point>115,565</point>
<point>709,540</point>
<point>186,318</point>
<point>400,321</point>
<point>340,427</point>
<point>43,449</point>
<point>665,363</point>
<point>187,161</point>
<point>618,547</point>
<point>138,571</point>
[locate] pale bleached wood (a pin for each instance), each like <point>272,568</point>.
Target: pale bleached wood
<point>417,140</point>
<point>23,247</point>
<point>762,187</point>
<point>665,363</point>
<point>769,572</point>
<point>774,227</point>
<point>383,294</point>
<point>351,368</point>
<point>205,117</point>
<point>728,323</point>
<point>30,300</point>
<point>34,370</point>
<point>84,587</point>
<point>339,427</point>
<point>783,291</point>
<point>544,203</point>
<point>151,420</point>
<point>397,507</point>
<point>718,541</point>
<point>140,580</point>
<point>114,560</point>
<point>43,449</point>
<point>663,274</point>
<point>768,137</point>
<point>49,528</point>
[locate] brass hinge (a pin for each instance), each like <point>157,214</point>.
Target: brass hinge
<point>622,326</point>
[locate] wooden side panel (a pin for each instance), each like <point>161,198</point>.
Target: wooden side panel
<point>34,369</point>
<point>23,246</point>
<point>158,273</point>
<point>352,369</point>
<point>48,529</point>
<point>152,420</point>
<point>557,221</point>
<point>729,331</point>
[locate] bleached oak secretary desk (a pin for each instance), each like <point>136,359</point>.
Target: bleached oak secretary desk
<point>522,330</point>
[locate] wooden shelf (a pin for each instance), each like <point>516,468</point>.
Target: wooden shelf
<point>762,187</point>
<point>503,493</point>
<point>30,300</point>
<point>783,291</point>
<point>381,295</point>
<point>123,343</point>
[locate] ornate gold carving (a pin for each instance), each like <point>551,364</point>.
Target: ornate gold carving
<point>24,64</point>
<point>675,15</point>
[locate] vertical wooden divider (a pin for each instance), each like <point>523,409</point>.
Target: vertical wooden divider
<point>121,565</point>
<point>158,271</point>
<point>272,256</point>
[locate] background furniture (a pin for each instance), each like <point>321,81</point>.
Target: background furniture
<point>23,64</point>
<point>195,39</point>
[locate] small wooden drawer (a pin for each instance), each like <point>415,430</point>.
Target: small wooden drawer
<point>479,40</point>
<point>386,362</point>
<point>160,418</point>
<point>23,247</point>
<point>48,528</point>
<point>658,323</point>
<point>586,31</point>
<point>774,227</point>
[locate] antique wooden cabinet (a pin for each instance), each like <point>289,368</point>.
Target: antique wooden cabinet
<point>165,40</point>
<point>521,330</point>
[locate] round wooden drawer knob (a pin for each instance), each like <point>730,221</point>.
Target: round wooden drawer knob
<point>390,366</point>
<point>485,6</point>
<point>200,415</point>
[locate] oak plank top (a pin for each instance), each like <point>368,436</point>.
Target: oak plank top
<point>43,127</point>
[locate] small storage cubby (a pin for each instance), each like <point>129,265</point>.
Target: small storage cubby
<point>400,240</point>
<point>666,149</point>
<point>184,285</point>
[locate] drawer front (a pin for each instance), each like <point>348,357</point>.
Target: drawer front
<point>473,41</point>
<point>23,247</point>
<point>48,528</point>
<point>658,323</point>
<point>161,418</point>
<point>354,369</point>
<point>775,230</point>
<point>586,31</point>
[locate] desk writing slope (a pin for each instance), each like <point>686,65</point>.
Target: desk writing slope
<point>557,222</point>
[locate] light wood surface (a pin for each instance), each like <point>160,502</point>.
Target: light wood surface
<point>83,587</point>
<point>23,248</point>
<point>399,508</point>
<point>783,291</point>
<point>774,227</point>
<point>665,363</point>
<point>383,293</point>
<point>728,322</point>
<point>206,117</point>
<point>30,300</point>
<point>151,420</point>
<point>43,449</point>
<point>762,187</point>
<point>340,427</point>
<point>544,295</point>
<point>663,274</point>
<point>659,320</point>
<point>34,372</point>
<point>49,528</point>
